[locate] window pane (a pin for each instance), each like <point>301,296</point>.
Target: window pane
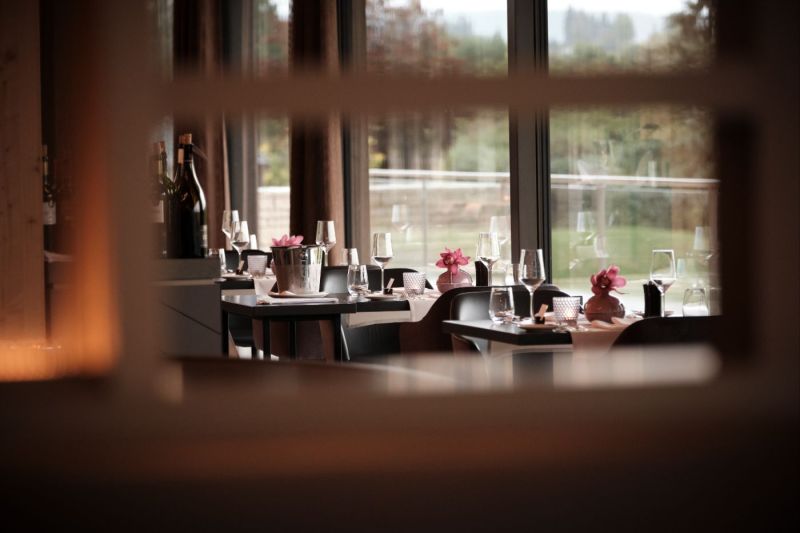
<point>271,57</point>
<point>627,181</point>
<point>437,179</point>
<point>591,36</point>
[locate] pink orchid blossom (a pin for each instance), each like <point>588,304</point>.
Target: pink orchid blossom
<point>607,280</point>
<point>288,240</point>
<point>451,260</point>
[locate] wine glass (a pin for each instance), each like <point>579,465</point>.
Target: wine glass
<point>382,250</point>
<point>400,219</point>
<point>662,273</point>
<point>228,218</point>
<point>488,250</point>
<point>531,271</point>
<point>499,225</point>
<point>240,238</point>
<point>326,237</point>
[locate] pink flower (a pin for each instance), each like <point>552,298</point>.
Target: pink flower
<point>607,280</point>
<point>288,240</point>
<point>451,260</point>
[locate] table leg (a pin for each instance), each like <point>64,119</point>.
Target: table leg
<point>266,340</point>
<point>293,339</point>
<point>224,333</point>
<point>338,353</point>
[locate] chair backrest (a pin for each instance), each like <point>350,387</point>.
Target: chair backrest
<point>426,335</point>
<point>542,295</point>
<point>333,279</point>
<point>470,306</point>
<point>675,330</point>
<point>396,273</point>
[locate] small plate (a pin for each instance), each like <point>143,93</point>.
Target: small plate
<point>381,296</point>
<point>531,326</point>
<point>309,295</point>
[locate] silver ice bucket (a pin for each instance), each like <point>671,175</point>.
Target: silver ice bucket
<point>297,268</point>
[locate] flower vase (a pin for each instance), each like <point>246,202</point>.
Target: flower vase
<point>603,307</point>
<point>448,281</point>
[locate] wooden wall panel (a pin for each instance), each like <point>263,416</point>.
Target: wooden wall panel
<point>21,240</point>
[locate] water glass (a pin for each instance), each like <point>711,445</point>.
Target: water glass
<point>566,309</point>
<point>414,284</point>
<point>357,280</point>
<point>501,305</point>
<point>695,302</point>
<point>257,265</point>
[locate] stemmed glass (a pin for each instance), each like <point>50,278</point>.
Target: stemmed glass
<point>499,224</point>
<point>228,218</point>
<point>382,251</point>
<point>326,237</point>
<point>240,238</point>
<point>662,273</point>
<point>488,250</point>
<point>531,271</point>
<point>400,219</point>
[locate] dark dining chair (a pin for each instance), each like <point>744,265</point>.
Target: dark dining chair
<point>670,330</point>
<point>372,342</point>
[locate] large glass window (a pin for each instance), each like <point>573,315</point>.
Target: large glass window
<point>271,57</point>
<point>437,179</point>
<point>627,181</point>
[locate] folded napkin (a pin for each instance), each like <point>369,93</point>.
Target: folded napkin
<point>419,307</point>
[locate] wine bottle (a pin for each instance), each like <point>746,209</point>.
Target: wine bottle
<point>48,203</point>
<point>160,182</point>
<point>192,231</point>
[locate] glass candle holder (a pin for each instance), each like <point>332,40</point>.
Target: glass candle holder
<point>566,309</point>
<point>414,284</point>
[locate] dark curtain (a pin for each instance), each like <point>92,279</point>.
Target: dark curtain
<point>317,186</point>
<point>198,50</point>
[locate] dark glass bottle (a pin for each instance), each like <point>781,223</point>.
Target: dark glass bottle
<point>48,203</point>
<point>188,231</point>
<point>160,182</point>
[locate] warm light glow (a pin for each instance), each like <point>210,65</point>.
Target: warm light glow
<point>30,361</point>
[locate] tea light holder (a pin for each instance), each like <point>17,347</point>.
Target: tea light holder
<point>566,309</point>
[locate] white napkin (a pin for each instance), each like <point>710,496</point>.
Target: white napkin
<point>419,307</point>
<point>263,285</point>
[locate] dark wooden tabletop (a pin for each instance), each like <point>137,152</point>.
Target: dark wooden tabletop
<point>508,333</point>
<point>247,305</point>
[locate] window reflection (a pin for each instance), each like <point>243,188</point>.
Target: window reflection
<point>437,180</point>
<point>626,181</point>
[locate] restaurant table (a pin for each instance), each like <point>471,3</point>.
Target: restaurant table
<point>247,306</point>
<point>505,333</point>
